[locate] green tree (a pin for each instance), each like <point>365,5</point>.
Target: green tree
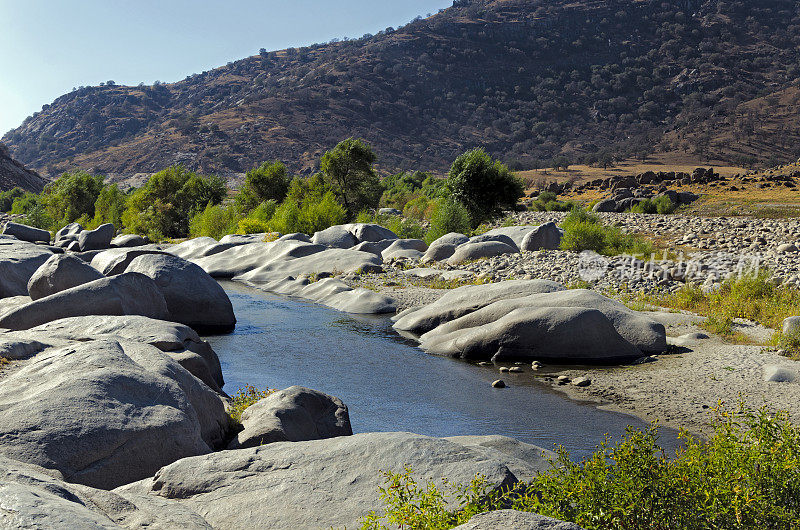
<point>71,196</point>
<point>163,206</point>
<point>7,198</point>
<point>267,182</point>
<point>482,185</point>
<point>110,206</point>
<point>348,167</point>
<point>449,216</point>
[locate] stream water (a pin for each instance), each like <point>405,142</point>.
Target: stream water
<point>389,384</point>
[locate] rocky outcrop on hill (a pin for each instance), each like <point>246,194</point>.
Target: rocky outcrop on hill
<point>15,175</point>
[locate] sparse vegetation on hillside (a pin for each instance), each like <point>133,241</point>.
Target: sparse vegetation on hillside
<point>532,81</point>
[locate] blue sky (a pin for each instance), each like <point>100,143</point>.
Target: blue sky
<point>50,46</point>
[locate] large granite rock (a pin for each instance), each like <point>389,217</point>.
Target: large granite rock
<point>444,247</point>
<point>129,240</point>
<point>335,237</point>
<point>374,247</point>
<point>193,297</point>
<point>107,413</point>
<point>332,293</point>
<point>245,258</point>
<point>574,325</point>
<point>126,294</point>
<point>18,262</point>
<point>178,341</point>
<point>369,232</point>
<point>115,260</point>
<point>477,250</point>
<point>35,497</point>
<point>467,299</point>
<point>545,237</point>
<point>67,235</point>
<point>498,237</point>
<point>329,261</point>
<point>26,233</point>
<point>59,273</point>
<point>314,484</point>
<point>515,520</point>
<point>296,414</point>
<point>606,205</point>
<point>405,248</point>
<point>516,234</point>
<point>97,239</point>
<point>200,247</point>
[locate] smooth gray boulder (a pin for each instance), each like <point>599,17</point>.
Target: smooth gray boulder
<point>330,261</point>
<point>26,233</point>
<point>97,239</point>
<point>296,236</point>
<point>389,211</point>
<point>444,247</point>
<point>18,261</point>
<point>545,237</point>
<point>644,334</point>
<point>791,326</point>
<point>467,299</point>
<point>477,250</point>
<point>246,258</point>
<point>129,240</point>
<point>515,520</point>
<point>606,205</point>
<point>193,297</point>
<point>516,233</point>
<point>114,261</point>
<point>107,413</point>
<point>244,239</point>
<point>369,232</point>
<point>489,237</point>
<point>405,248</point>
<point>35,497</point>
<point>525,460</point>
<point>315,484</point>
<point>59,273</point>
<point>565,334</point>
<point>126,294</point>
<point>67,235</point>
<point>374,247</point>
<point>200,247</point>
<point>335,237</point>
<point>332,293</point>
<point>774,373</point>
<point>296,414</point>
<point>178,341</point>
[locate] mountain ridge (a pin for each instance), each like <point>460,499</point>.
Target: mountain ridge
<point>529,80</point>
<point>15,175</point>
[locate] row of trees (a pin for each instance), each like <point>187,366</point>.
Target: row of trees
<point>177,202</point>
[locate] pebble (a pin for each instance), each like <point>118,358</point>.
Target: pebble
<point>504,369</point>
<point>535,365</point>
<point>499,384</point>
<point>562,380</point>
<point>581,381</point>
<point>515,370</point>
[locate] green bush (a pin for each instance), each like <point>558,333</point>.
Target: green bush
<point>662,205</point>
<point>169,199</point>
<point>214,221</point>
<point>109,207</point>
<point>482,185</point>
<point>449,216</point>
<point>747,475</point>
<point>264,211</point>
<point>71,196</point>
<point>24,203</point>
<point>269,181</point>
<point>404,228</point>
<point>252,226</point>
<point>420,208</point>
<point>308,217</point>
<point>348,169</point>
<point>7,198</point>
<point>583,231</point>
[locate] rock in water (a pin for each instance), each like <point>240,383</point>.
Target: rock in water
<point>26,233</point>
<point>193,297</point>
<point>315,484</point>
<point>97,239</point>
<point>515,520</point>
<point>59,273</point>
<point>106,413</point>
<point>126,294</point>
<point>296,414</point>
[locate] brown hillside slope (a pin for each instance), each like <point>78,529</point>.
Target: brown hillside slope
<point>13,174</point>
<point>528,79</point>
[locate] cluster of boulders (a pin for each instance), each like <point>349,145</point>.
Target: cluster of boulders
<point>651,178</point>
<point>74,238</point>
<point>623,199</point>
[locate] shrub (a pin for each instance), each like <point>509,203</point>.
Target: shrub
<point>662,205</point>
<point>583,231</point>
<point>482,185</point>
<point>404,228</point>
<point>214,221</point>
<point>266,182</point>
<point>747,475</point>
<point>244,397</point>
<point>264,211</point>
<point>109,207</point>
<point>251,226</point>
<point>70,196</point>
<point>309,217</point>
<point>449,216</point>
<point>420,208</point>
<point>7,198</point>
<point>166,203</point>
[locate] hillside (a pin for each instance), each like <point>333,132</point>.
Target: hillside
<point>13,174</point>
<point>527,79</point>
